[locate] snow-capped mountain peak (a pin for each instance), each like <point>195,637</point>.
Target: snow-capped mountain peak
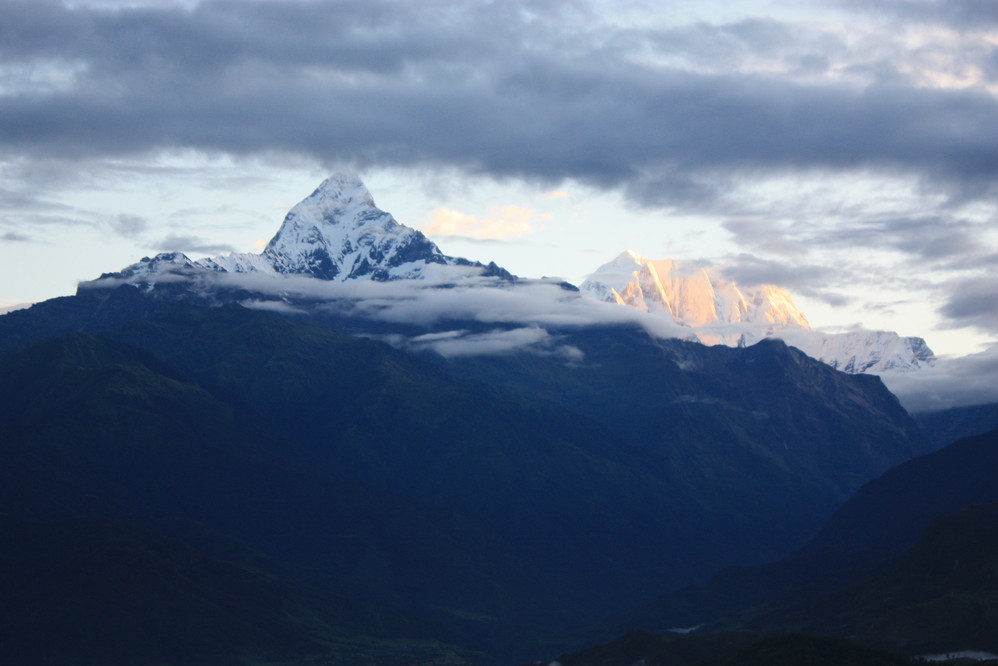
<point>692,293</point>
<point>339,204</point>
<point>719,311</point>
<point>336,233</point>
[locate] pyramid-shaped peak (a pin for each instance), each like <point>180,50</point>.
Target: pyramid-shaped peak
<point>335,233</point>
<point>342,190</point>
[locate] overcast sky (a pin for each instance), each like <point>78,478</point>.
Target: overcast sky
<point>844,149</point>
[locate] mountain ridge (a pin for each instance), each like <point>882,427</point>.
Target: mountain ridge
<point>718,311</point>
<point>336,233</point>
<point>876,525</point>
<point>482,457</point>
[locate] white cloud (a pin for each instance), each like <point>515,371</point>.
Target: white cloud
<point>271,306</point>
<point>951,382</point>
<point>502,222</point>
<point>498,341</point>
<point>449,293</point>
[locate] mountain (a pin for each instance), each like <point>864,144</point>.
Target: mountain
<point>336,233</point>
<point>95,428</point>
<point>731,649</point>
<point>436,448</point>
<point>94,591</point>
<point>690,293</point>
<point>720,312</point>
<point>941,596</point>
<point>870,531</point>
<point>740,422</point>
<point>948,425</point>
<point>724,437</point>
<point>90,591</point>
<point>863,351</point>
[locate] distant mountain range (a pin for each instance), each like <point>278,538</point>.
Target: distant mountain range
<point>719,311</point>
<point>456,463</point>
<point>338,234</point>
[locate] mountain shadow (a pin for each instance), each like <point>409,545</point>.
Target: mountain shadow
<point>941,596</point>
<point>868,534</point>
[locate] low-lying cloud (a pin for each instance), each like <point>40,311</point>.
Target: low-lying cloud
<point>951,382</point>
<point>523,314</point>
<point>530,339</point>
<point>527,316</point>
<point>450,294</point>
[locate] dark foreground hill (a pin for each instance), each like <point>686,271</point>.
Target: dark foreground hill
<point>940,597</point>
<point>732,649</point>
<point>484,504</point>
<point>949,425</point>
<point>93,591</point>
<point>910,564</point>
<point>885,518</point>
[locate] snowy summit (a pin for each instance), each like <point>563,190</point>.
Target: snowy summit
<point>722,312</point>
<point>692,294</point>
<point>336,233</point>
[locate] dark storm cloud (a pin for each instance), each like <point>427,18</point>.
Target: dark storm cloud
<point>964,14</point>
<point>129,226</point>
<point>539,90</point>
<point>797,48</point>
<point>750,270</point>
<point>722,43</point>
<point>932,238</point>
<point>193,244</point>
<point>939,239</point>
<point>973,302</point>
<point>809,280</point>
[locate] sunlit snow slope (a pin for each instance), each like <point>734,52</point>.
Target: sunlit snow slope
<point>722,312</point>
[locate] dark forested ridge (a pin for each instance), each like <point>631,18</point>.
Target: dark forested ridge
<point>487,503</point>
<point>907,564</point>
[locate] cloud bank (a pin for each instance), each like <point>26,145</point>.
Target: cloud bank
<point>952,382</point>
<point>549,91</point>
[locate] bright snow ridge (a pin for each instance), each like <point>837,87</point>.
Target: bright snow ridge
<point>336,233</point>
<point>721,312</point>
<point>692,294</point>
